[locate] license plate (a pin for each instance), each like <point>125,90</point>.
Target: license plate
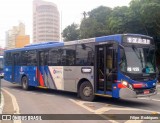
<point>146,92</point>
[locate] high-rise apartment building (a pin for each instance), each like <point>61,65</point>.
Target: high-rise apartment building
<point>46,21</point>
<point>22,40</point>
<point>12,34</point>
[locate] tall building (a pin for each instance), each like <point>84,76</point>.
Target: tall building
<point>22,40</point>
<point>46,21</point>
<point>13,34</point>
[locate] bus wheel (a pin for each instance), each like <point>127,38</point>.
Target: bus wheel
<point>25,83</point>
<point>86,91</point>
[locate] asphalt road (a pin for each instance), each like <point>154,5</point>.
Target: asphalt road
<point>42,101</point>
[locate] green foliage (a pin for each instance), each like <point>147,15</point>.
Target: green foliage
<point>141,17</point>
<point>95,24</point>
<point>117,22</point>
<point>71,32</point>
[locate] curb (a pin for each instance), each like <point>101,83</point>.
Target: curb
<point>1,103</point>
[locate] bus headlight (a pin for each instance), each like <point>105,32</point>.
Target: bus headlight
<point>125,83</point>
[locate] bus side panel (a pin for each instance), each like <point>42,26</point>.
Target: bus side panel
<point>73,74</point>
<point>30,72</point>
<point>47,77</point>
<point>32,76</point>
<point>70,76</point>
<point>56,77</point>
<point>17,76</point>
<point>8,73</point>
<point>66,77</point>
<point>115,90</point>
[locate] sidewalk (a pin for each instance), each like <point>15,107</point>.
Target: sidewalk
<point>1,102</point>
<point>6,107</point>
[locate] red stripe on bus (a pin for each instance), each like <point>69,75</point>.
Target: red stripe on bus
<point>138,85</point>
<point>120,85</point>
<point>41,81</point>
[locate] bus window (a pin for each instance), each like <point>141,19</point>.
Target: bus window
<point>8,59</point>
<point>68,55</point>
<point>1,63</point>
<point>84,55</point>
<point>24,58</point>
<point>16,57</point>
<point>123,62</point>
<point>32,60</point>
<point>54,57</point>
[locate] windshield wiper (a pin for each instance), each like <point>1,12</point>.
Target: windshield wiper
<point>136,50</point>
<point>139,55</point>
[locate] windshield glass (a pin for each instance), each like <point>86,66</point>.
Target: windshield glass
<point>137,60</point>
<point>1,64</point>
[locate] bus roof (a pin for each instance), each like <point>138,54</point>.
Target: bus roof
<point>40,46</point>
<point>116,37</point>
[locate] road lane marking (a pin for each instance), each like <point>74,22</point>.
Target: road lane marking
<point>143,98</point>
<point>105,109</point>
<point>149,99</point>
<point>134,121</point>
<point>32,92</point>
<point>80,103</point>
<point>1,103</point>
<point>15,104</point>
<point>155,100</point>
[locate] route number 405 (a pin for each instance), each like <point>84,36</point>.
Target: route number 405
<point>133,69</point>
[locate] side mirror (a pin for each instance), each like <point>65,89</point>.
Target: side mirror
<point>144,70</point>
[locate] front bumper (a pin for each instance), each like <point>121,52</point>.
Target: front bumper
<point>1,74</point>
<point>128,93</point>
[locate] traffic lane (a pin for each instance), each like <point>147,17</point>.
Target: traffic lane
<point>50,101</point>
<point>42,101</point>
<point>147,103</point>
<point>100,102</point>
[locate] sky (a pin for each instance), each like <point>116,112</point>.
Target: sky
<point>14,11</point>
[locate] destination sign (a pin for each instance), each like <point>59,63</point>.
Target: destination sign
<point>137,40</point>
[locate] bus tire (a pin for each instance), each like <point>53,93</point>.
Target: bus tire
<point>24,82</point>
<point>86,91</point>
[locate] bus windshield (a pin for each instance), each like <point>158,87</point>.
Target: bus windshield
<point>137,60</point>
<point>1,63</point>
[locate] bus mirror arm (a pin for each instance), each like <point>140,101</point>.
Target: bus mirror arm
<point>157,72</point>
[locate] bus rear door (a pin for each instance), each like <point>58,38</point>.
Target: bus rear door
<point>41,66</point>
<point>15,67</point>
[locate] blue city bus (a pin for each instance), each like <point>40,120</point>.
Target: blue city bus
<point>118,66</point>
<point>1,67</point>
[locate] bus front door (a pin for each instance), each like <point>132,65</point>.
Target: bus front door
<point>105,68</point>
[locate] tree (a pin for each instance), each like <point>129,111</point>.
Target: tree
<point>94,25</point>
<point>148,13</point>
<point>117,21</point>
<point>71,32</point>
<point>141,17</point>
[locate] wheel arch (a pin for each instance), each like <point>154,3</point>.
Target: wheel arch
<point>23,76</point>
<point>80,82</point>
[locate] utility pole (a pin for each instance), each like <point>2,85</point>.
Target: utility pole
<point>84,15</point>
